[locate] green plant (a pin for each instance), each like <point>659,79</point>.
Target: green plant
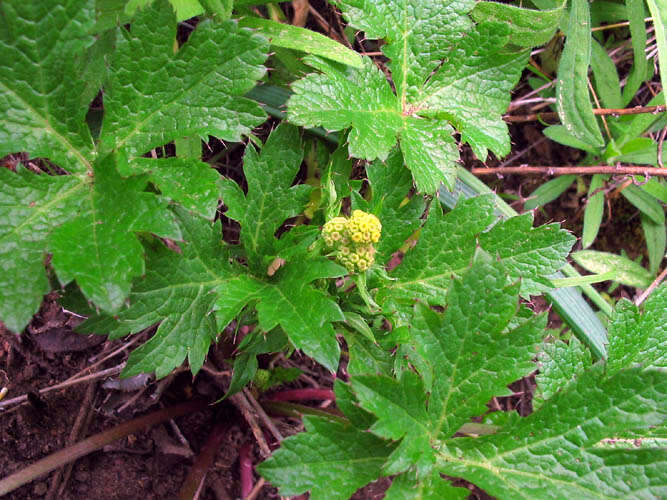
<point>107,213</point>
<point>405,424</point>
<point>610,139</point>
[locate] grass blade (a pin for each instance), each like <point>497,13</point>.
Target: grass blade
<point>594,210</point>
<point>655,242</point>
<point>305,40</point>
<point>573,100</point>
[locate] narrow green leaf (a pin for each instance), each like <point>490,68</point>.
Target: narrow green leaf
<point>42,51</point>
<point>245,367</point>
<point>638,124</point>
<point>271,198</point>
<point>358,323</point>
<point>594,210</point>
<point>582,280</point>
<point>658,9</point>
<point>646,203</point>
<point>654,234</point>
<point>607,11</point>
<point>561,135</point>
<point>625,271</point>
<point>636,13</point>
<point>304,40</point>
<point>31,206</point>
<point>656,188</point>
<point>331,460</point>
<point>529,28</point>
<point>194,92</point>
<point>607,84</point>
<point>549,191</point>
<point>573,101</point>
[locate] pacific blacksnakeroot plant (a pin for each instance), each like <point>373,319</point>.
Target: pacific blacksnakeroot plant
<point>412,386</point>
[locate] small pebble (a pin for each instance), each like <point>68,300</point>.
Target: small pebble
<point>82,476</point>
<point>40,489</point>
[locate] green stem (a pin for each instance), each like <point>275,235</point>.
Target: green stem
<point>360,280</point>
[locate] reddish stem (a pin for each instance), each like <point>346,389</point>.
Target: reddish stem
<point>203,462</point>
<point>246,469</point>
<point>303,395</point>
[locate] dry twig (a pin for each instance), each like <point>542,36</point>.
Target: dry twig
<point>577,170</point>
<point>549,115</point>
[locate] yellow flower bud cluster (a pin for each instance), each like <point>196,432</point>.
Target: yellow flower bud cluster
<point>353,239</point>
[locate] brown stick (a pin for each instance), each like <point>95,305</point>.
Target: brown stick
<point>587,170</point>
<point>88,445</point>
<point>597,111</point>
<point>651,287</point>
<point>193,482</point>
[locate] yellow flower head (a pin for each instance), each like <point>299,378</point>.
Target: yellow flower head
<point>353,239</point>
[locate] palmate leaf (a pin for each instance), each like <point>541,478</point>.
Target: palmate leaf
<point>196,293</point>
<point>42,46</point>
<point>473,351</point>
<point>432,487</point>
<point>634,339</point>
<point>271,198</point>
<point>179,290</point>
<point>332,460</point>
<point>549,455</point>
<point>89,221</point>
<point>97,246</point>
<point>444,71</point>
<point>447,243</point>
<point>187,181</point>
<point>30,207</point>
<point>154,95</point>
<point>304,312</point>
<point>470,357</point>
